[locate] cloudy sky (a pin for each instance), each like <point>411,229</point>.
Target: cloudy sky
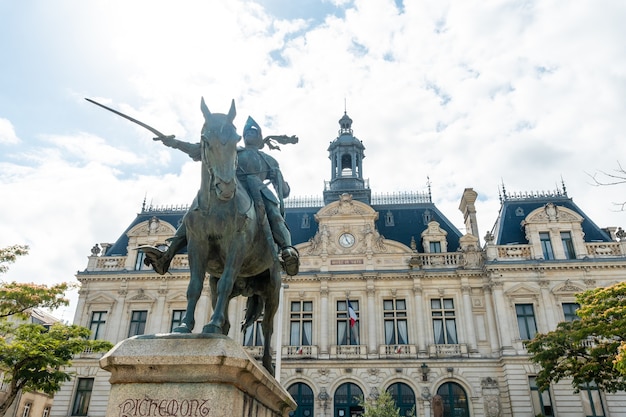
<point>466,93</point>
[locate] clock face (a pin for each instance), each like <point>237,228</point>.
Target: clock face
<point>346,240</point>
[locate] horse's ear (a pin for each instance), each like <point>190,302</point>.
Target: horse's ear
<point>205,109</point>
<point>232,112</point>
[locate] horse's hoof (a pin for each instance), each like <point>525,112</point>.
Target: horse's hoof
<point>211,329</point>
<point>181,329</point>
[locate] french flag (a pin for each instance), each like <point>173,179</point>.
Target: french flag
<point>352,314</point>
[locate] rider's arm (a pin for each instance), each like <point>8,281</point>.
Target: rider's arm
<point>191,149</point>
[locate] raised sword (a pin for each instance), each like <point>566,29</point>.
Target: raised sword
<point>142,124</point>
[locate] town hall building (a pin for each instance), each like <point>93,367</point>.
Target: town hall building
<point>390,296</point>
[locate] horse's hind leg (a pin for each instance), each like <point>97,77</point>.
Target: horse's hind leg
<point>272,298</point>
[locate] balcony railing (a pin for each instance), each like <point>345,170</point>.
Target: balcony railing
<point>397,351</point>
<point>514,252</point>
<point>255,351</point>
<point>603,249</point>
<point>349,351</point>
<point>448,351</point>
<point>299,352</point>
<point>436,260</point>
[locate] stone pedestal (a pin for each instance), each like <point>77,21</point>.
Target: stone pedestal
<point>190,375</point>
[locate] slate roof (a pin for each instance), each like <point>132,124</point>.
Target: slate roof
<point>508,229</point>
<point>409,220</point>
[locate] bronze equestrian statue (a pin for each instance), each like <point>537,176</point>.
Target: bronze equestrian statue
<point>231,228</point>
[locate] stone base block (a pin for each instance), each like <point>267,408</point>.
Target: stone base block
<point>190,375</point>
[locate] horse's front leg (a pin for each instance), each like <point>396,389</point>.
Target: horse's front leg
<point>197,267</point>
<point>193,295</point>
<point>221,296</point>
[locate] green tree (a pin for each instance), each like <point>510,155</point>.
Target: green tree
<point>383,406</point>
<point>33,357</point>
<point>589,350</point>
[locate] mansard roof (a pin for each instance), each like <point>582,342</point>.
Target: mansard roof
<point>402,216</point>
<point>171,215</point>
<point>509,229</point>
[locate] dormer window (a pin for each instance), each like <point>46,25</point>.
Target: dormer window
<point>435,247</point>
<point>389,219</point>
<point>568,245</point>
<point>546,245</point>
<point>427,217</point>
<point>305,222</point>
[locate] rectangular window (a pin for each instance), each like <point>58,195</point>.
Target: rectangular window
<point>301,323</point>
<point>546,245</point>
<point>253,335</point>
<point>98,320</point>
<point>444,321</point>
<point>138,320</point>
<point>592,401</point>
<point>177,318</point>
<point>396,330</point>
<point>569,311</point>
<point>435,247</point>
<point>526,321</point>
<point>568,245</point>
<point>542,403</point>
<point>348,322</point>
<point>26,410</point>
<point>46,412</point>
<point>82,397</point>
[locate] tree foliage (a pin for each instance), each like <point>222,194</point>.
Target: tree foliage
<point>32,356</point>
<point>383,406</point>
<point>9,254</point>
<point>589,350</point>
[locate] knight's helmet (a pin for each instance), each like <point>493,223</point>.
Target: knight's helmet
<point>252,125</point>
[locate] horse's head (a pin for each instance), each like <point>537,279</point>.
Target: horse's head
<point>219,150</point>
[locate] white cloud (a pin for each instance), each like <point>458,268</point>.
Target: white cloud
<point>7,132</point>
<point>467,93</point>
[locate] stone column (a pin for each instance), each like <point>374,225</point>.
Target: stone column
<point>469,321</point>
<point>162,320</point>
<point>502,318</point>
<point>421,318</point>
<point>491,320</point>
<point>549,316</point>
<point>372,315</point>
<point>324,317</point>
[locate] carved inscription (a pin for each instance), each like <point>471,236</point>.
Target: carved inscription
<point>346,261</point>
<point>150,407</point>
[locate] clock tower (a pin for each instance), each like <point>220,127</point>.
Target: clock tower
<point>346,154</point>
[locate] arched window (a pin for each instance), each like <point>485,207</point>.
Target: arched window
<point>454,400</point>
<point>303,395</point>
<point>347,398</point>
<point>404,397</point>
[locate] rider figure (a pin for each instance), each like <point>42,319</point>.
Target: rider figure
<point>253,168</point>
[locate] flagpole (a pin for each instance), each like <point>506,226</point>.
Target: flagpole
<point>279,335</point>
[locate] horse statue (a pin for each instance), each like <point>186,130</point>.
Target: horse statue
<point>225,239</point>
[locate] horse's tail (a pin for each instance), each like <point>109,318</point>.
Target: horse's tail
<point>254,309</point>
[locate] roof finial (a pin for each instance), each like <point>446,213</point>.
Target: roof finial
<point>428,183</point>
<point>345,106</point>
<point>563,185</point>
<point>143,205</point>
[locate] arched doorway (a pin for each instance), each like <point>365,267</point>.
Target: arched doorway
<point>454,400</point>
<point>346,400</point>
<point>303,394</point>
<point>404,397</point>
